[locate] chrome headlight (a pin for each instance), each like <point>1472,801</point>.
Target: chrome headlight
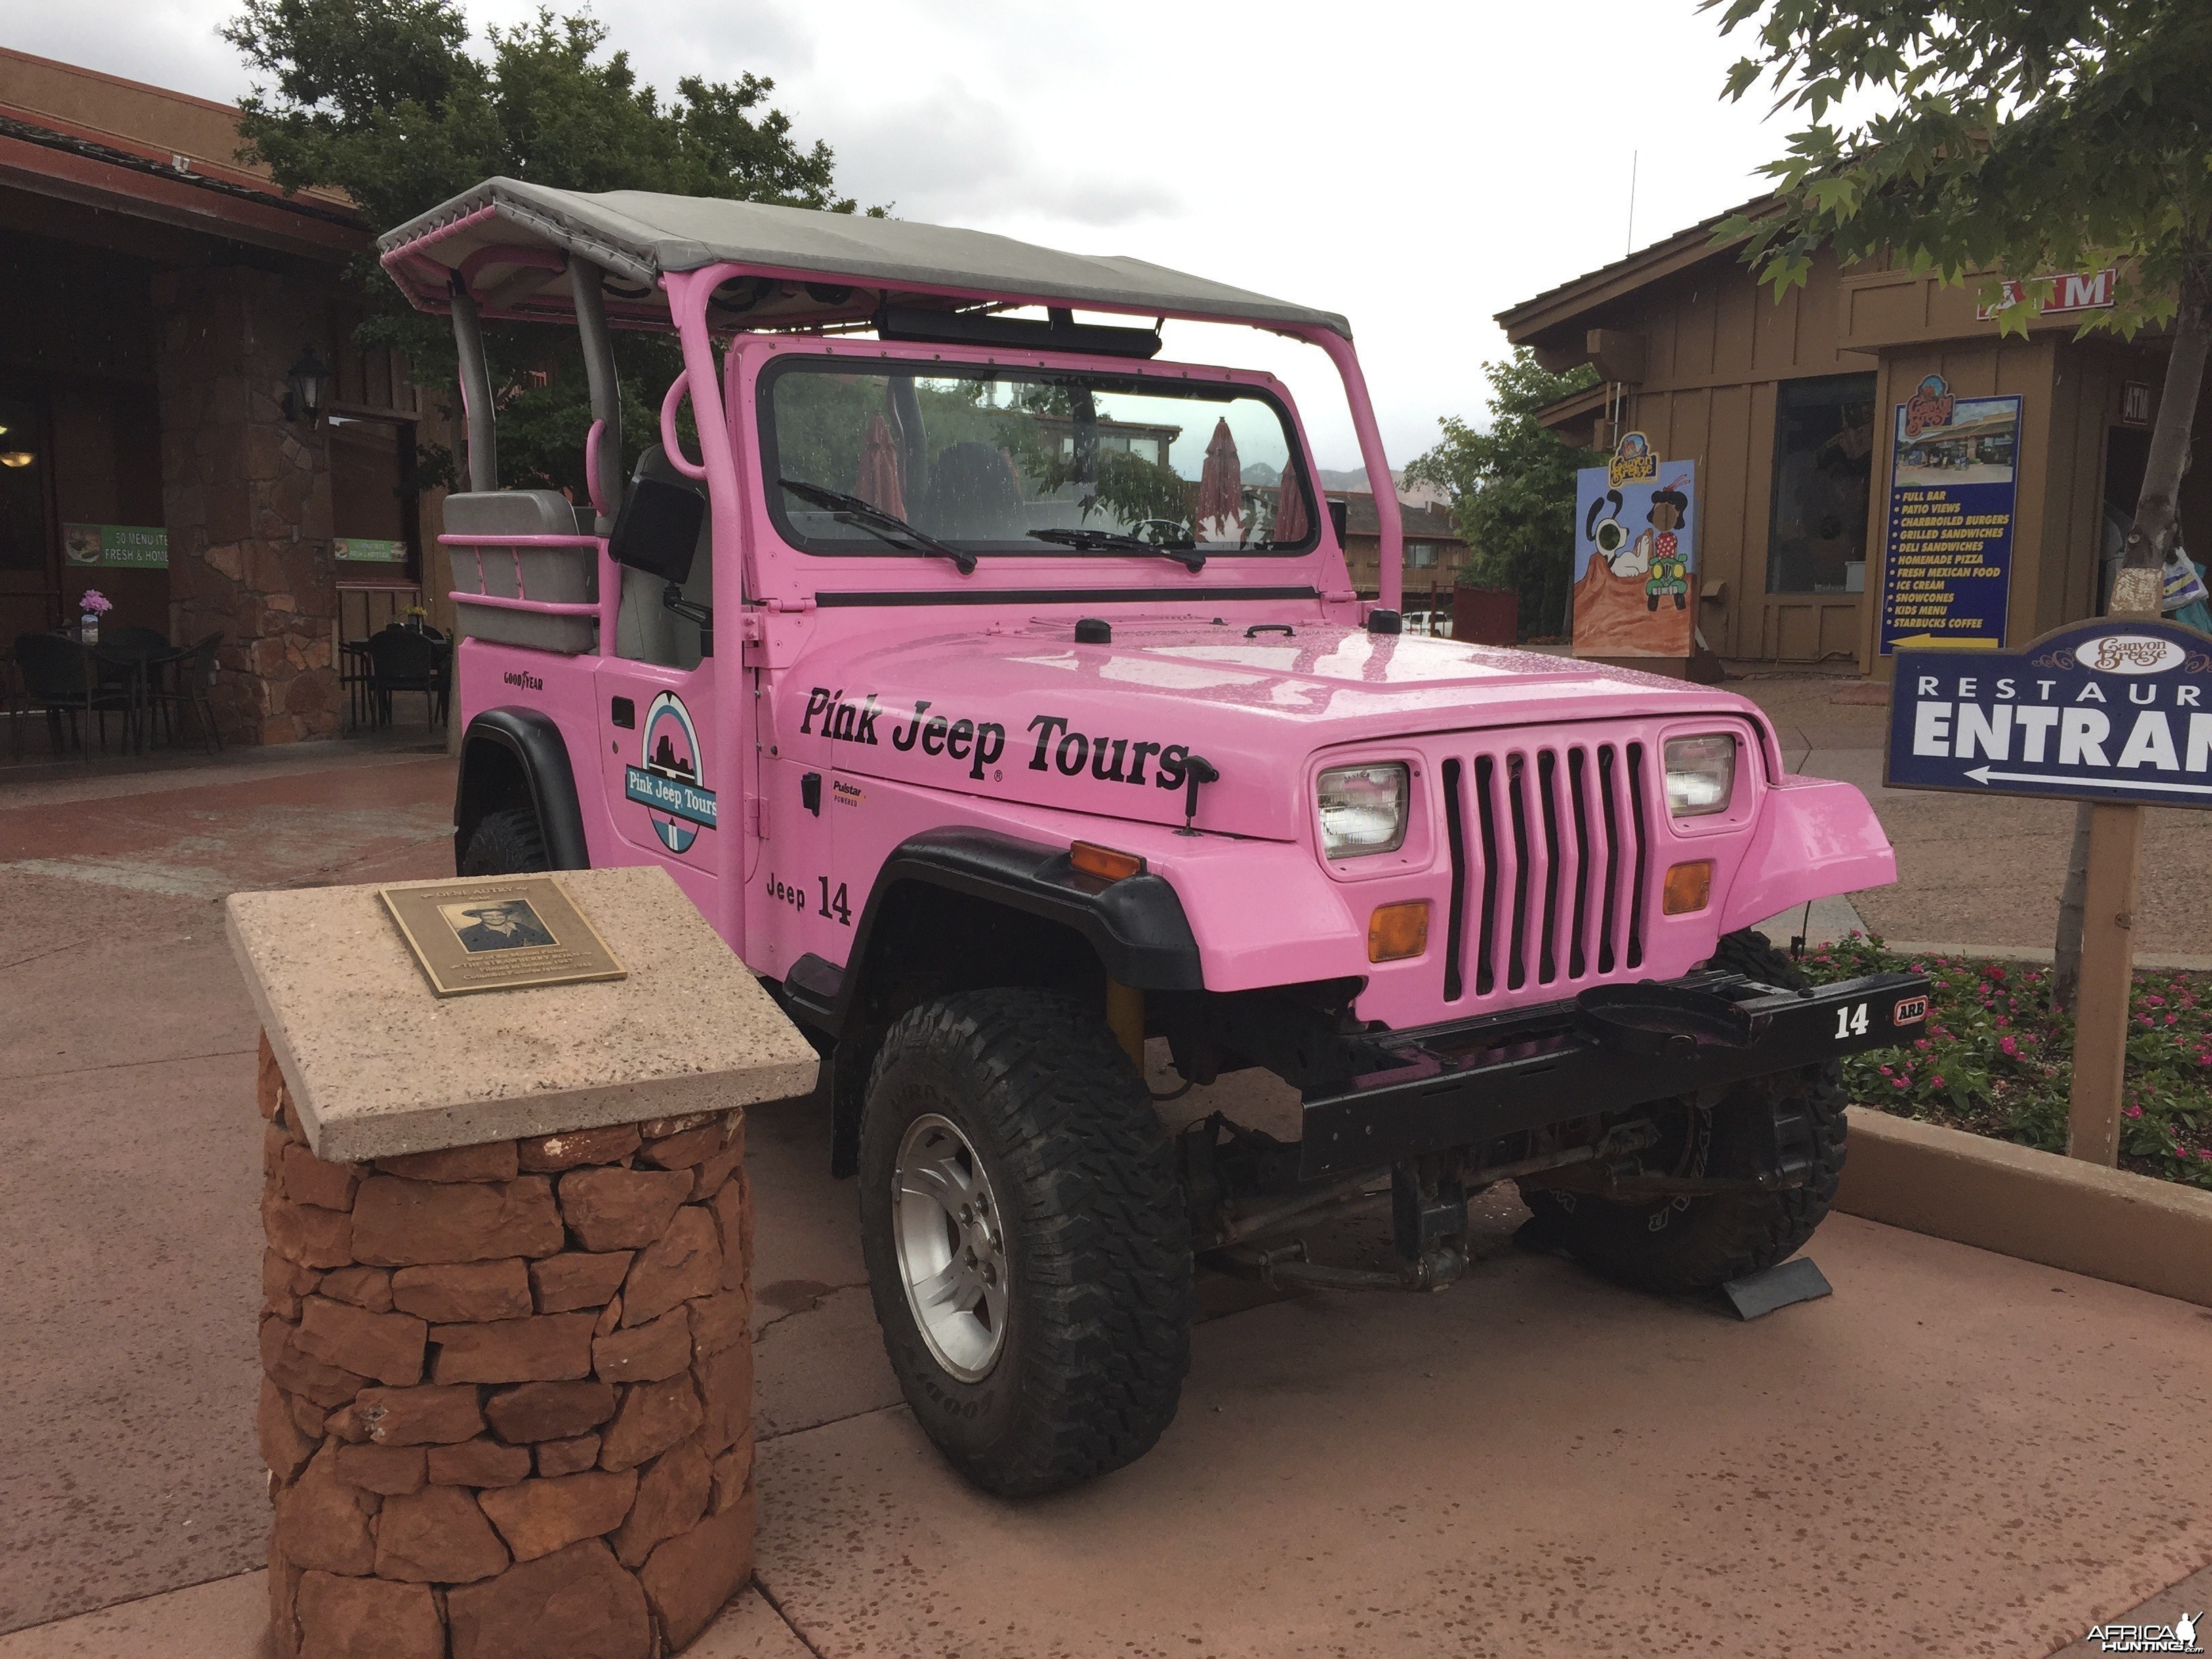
<point>1700,775</point>
<point>1363,810</point>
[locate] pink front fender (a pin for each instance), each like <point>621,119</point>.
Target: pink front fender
<point>1815,838</point>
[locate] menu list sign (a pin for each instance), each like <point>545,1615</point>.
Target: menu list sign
<point>1947,573</point>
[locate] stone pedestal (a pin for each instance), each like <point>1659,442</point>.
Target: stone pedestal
<point>507,1404</point>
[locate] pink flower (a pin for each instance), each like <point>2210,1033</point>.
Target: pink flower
<point>2002,1021</point>
<point>1938,1081</point>
<point>93,603</point>
<point>2134,1111</point>
<point>2009,1046</point>
<point>2155,1002</point>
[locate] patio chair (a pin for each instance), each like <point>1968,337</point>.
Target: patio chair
<point>188,672</point>
<point>60,676</point>
<point>402,659</point>
<point>128,656</point>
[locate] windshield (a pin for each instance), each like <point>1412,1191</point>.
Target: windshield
<point>1003,461</point>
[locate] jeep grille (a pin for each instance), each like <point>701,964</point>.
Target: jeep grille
<point>1549,866</point>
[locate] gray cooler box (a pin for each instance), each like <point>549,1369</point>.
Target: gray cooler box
<point>546,574</point>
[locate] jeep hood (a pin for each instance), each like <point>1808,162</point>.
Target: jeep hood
<point>1023,712</point>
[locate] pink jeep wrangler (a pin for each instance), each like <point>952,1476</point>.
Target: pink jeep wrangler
<point>999,692</point>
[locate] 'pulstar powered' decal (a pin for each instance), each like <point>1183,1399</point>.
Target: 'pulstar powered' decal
<point>671,786</point>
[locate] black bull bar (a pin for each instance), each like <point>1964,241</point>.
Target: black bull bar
<point>1468,1082</point>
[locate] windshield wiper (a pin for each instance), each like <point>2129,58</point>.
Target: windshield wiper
<point>1185,553</point>
<point>884,526</point>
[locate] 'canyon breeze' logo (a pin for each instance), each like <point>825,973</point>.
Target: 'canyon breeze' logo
<point>672,783</point>
<point>2129,654</point>
<point>1633,461</point>
<point>1929,407</point>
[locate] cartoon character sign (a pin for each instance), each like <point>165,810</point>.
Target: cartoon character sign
<point>1636,554</point>
<point>1666,556</point>
<point>670,784</point>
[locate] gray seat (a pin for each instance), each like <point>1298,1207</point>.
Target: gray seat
<point>513,512</point>
<point>645,629</point>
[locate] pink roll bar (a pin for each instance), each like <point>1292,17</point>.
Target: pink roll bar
<point>671,440</point>
<point>1390,556</point>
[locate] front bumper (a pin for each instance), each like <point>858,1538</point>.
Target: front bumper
<point>1468,1082</point>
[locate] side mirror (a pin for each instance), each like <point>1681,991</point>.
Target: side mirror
<point>657,531</point>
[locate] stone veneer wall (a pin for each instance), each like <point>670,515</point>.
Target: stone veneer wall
<point>246,497</point>
<point>508,1401</point>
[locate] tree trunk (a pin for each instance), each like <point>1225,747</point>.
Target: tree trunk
<point>2137,586</point>
<point>2157,523</point>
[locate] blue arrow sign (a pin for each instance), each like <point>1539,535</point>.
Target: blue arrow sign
<point>2114,710</point>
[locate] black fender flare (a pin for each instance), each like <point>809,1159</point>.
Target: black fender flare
<point>1136,925</point>
<point>502,744</point>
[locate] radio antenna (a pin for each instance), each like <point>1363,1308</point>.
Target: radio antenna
<point>1633,157</point>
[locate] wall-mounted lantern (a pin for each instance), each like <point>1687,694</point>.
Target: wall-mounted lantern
<point>309,379</point>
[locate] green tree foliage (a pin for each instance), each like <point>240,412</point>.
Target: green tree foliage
<point>2008,140</point>
<point>1512,489</point>
<point>384,100</point>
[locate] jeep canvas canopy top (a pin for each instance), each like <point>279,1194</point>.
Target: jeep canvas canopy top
<point>511,243</point>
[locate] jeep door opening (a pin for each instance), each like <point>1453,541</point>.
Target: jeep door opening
<point>1000,693</point>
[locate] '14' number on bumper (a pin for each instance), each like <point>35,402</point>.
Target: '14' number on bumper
<point>1851,1022</point>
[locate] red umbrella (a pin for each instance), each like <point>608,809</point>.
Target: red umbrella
<point>1221,486</point>
<point>1291,522</point>
<point>877,484</point>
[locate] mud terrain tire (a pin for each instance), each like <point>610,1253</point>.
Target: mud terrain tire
<point>507,842</point>
<point>1680,1244</point>
<point>1095,1334</point>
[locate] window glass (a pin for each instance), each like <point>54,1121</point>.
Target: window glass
<point>1007,461</point>
<point>1823,460</point>
<point>1422,555</point>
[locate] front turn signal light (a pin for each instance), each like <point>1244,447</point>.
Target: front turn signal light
<point>1395,931</point>
<point>1104,861</point>
<point>1689,887</point>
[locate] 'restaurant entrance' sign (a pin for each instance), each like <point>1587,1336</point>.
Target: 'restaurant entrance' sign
<point>2116,710</point>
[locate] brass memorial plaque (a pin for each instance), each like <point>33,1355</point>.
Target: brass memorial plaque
<point>499,935</point>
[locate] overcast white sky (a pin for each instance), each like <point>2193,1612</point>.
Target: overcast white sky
<point>1417,167</point>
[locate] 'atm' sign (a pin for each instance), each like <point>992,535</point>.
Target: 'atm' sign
<point>2055,296</point>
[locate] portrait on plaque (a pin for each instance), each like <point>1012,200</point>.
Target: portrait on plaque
<point>505,925</point>
<point>499,934</point>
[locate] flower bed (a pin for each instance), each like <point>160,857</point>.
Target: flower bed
<point>1996,1061</point>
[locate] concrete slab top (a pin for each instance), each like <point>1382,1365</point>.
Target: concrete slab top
<point>378,1065</point>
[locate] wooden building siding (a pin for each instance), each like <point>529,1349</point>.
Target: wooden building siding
<point>1718,349</point>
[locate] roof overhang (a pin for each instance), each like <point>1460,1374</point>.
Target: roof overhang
<point>1575,416</point>
<point>511,244</point>
<point>1567,308</point>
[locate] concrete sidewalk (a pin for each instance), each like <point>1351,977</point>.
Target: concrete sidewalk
<point>1957,1453</point>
